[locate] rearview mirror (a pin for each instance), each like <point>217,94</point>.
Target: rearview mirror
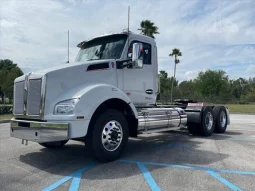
<point>137,55</point>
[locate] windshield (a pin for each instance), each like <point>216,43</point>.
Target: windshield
<point>109,47</point>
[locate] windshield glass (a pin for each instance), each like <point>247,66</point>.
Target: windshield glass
<point>109,47</point>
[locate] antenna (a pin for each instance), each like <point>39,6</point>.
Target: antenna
<point>68,47</point>
<point>128,17</point>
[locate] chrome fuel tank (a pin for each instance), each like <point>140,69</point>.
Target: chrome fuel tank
<point>160,118</point>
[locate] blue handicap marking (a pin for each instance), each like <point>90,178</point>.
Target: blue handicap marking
<point>224,181</point>
<point>147,175</point>
<point>213,172</point>
<point>76,176</point>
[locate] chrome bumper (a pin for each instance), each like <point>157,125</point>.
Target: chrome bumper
<point>40,132</point>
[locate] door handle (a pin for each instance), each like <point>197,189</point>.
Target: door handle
<point>149,91</point>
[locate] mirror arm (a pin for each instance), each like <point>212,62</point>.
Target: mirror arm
<point>129,62</point>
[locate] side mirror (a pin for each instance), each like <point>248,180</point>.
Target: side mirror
<point>137,55</point>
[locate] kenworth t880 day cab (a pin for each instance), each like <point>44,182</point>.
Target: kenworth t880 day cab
<point>106,96</point>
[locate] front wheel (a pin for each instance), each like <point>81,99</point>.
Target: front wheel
<point>56,144</point>
<point>108,136</point>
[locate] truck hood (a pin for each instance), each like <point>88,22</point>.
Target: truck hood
<point>64,81</point>
<point>42,72</point>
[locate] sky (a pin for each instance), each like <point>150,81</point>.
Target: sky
<point>211,34</point>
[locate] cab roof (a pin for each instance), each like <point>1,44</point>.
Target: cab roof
<point>140,36</point>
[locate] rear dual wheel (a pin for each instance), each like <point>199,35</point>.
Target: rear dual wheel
<point>212,120</point>
<point>206,126</point>
<point>220,115</point>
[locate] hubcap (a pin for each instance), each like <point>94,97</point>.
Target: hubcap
<point>209,121</point>
<point>223,119</point>
<point>112,135</point>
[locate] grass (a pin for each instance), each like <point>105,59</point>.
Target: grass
<point>241,108</point>
<point>6,117</point>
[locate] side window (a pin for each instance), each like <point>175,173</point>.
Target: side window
<point>146,52</point>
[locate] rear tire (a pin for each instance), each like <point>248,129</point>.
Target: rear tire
<point>52,145</point>
<point>220,116</point>
<point>108,136</point>
<point>207,124</point>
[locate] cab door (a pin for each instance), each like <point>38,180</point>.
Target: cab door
<point>138,84</point>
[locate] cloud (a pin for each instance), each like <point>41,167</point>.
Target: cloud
<point>211,34</point>
<point>190,75</point>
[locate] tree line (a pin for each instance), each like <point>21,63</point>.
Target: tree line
<point>212,86</point>
<point>9,71</point>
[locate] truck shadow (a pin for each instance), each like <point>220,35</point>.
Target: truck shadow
<point>171,148</point>
<point>216,136</point>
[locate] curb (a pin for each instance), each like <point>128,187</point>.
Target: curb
<point>5,121</point>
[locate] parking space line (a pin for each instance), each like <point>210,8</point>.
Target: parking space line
<point>57,184</point>
<point>190,167</point>
<point>149,179</point>
<point>76,176</point>
<point>75,182</point>
<point>224,181</point>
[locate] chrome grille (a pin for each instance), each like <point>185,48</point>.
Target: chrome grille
<point>28,98</point>
<point>34,97</point>
<point>19,98</point>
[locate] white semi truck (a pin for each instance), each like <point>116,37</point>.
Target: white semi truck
<point>106,96</point>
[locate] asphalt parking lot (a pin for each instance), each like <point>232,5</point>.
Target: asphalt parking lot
<point>165,161</point>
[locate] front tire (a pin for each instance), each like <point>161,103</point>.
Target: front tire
<point>52,145</point>
<point>108,136</point>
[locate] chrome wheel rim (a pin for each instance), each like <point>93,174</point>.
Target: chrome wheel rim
<point>112,135</point>
<point>209,121</point>
<point>223,119</point>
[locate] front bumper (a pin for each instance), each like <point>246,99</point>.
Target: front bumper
<point>40,132</point>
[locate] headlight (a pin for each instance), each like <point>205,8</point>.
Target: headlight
<point>65,107</point>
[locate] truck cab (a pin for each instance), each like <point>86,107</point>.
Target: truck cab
<point>139,83</point>
<point>107,95</point>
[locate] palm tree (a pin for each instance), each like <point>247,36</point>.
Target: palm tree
<point>148,28</point>
<point>175,52</point>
